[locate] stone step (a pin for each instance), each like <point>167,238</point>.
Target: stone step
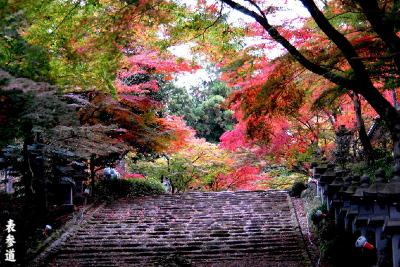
<point>205,228</point>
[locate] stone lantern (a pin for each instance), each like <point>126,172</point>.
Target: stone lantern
<point>343,202</point>
<point>326,178</point>
<point>313,166</point>
<point>349,208</point>
<point>166,182</point>
<point>333,195</point>
<point>78,176</point>
<point>67,185</point>
<point>318,171</point>
<point>342,151</point>
<point>313,181</point>
<point>320,168</point>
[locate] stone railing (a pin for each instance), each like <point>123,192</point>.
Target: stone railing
<point>367,210</point>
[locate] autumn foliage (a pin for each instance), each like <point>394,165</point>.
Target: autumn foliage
<point>115,59</point>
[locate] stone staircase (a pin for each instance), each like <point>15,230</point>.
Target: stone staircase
<point>257,228</point>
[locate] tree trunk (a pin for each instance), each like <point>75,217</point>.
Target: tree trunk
<point>388,114</point>
<point>396,144</point>
<point>366,143</point>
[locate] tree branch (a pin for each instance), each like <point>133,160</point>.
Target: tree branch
<point>209,26</point>
<point>341,42</point>
<point>262,13</point>
<point>65,17</point>
<point>382,26</point>
<point>331,76</point>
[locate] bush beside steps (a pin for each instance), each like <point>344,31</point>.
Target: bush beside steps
<point>117,188</point>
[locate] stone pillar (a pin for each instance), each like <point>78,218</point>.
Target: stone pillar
<point>396,250</point>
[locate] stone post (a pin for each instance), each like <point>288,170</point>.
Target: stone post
<point>350,209</point>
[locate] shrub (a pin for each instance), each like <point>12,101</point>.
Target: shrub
<point>385,163</point>
<point>143,187</point>
<point>283,179</point>
<point>297,188</point>
<point>116,188</point>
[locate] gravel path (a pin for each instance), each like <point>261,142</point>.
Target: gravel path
<point>312,248</point>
